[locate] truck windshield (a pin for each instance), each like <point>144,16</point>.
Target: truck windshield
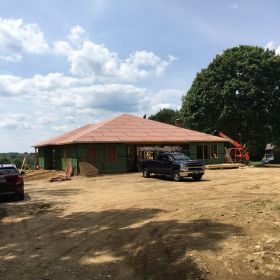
<point>179,156</point>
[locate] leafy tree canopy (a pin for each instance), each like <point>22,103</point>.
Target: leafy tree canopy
<point>165,115</point>
<point>4,160</point>
<point>17,158</point>
<point>239,94</point>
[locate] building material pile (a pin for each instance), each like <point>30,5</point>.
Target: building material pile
<point>224,166</point>
<point>87,169</point>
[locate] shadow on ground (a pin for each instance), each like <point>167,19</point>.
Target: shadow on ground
<point>115,244</point>
<point>61,192</point>
<point>13,199</point>
<point>169,178</point>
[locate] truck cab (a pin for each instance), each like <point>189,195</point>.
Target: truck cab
<point>174,164</point>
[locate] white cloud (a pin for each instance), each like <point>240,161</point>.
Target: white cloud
<point>43,118</point>
<point>11,58</point>
<point>94,60</point>
<point>77,35</point>
<point>28,121</point>
<point>86,58</point>
<point>96,89</point>
<point>17,37</point>
<point>11,85</point>
<point>63,128</point>
<point>58,90</point>
<point>62,48</point>
<point>272,46</point>
<point>12,121</point>
<point>143,64</point>
<point>63,101</point>
<point>269,45</point>
<point>166,98</point>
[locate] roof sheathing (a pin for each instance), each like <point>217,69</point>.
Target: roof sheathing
<point>58,138</point>
<point>131,129</point>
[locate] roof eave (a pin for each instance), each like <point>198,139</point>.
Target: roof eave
<point>133,142</point>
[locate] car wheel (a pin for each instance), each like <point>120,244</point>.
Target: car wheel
<point>21,196</point>
<point>146,173</point>
<point>176,176</point>
<point>197,177</point>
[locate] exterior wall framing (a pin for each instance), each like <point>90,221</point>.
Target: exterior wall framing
<point>57,157</point>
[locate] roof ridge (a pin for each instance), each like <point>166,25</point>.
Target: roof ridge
<point>168,124</point>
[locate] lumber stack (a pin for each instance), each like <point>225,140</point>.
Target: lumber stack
<point>224,166</point>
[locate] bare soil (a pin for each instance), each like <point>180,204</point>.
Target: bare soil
<point>127,227</point>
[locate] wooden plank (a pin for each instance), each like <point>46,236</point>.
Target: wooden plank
<point>224,166</point>
<point>271,165</point>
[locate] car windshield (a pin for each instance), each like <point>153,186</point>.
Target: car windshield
<point>180,156</point>
<point>8,171</point>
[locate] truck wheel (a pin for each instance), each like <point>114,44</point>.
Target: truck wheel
<point>146,173</point>
<point>197,177</point>
<point>176,176</point>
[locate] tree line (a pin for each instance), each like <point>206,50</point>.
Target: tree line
<point>239,94</point>
<point>17,159</point>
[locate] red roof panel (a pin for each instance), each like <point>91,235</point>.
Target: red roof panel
<point>130,129</point>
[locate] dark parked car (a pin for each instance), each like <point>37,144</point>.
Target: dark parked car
<point>174,164</point>
<point>11,181</point>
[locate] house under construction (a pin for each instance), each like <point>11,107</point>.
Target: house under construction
<point>117,144</point>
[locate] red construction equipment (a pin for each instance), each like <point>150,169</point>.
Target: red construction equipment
<point>239,153</point>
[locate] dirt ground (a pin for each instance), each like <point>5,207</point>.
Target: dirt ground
<point>127,227</point>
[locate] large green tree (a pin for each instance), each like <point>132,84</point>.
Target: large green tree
<point>165,115</point>
<point>239,94</point>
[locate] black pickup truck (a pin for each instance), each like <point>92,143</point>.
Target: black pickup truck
<point>174,164</point>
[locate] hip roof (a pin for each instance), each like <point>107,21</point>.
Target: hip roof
<point>130,129</point>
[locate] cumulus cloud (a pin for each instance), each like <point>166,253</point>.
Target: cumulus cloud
<point>17,37</point>
<point>27,121</point>
<point>69,100</point>
<point>86,58</point>
<point>11,85</point>
<point>12,121</point>
<point>62,48</point>
<point>269,45</point>
<point>11,58</point>
<point>94,60</point>
<point>96,88</point>
<point>77,35</point>
<point>43,118</point>
<point>165,98</point>
<point>63,128</point>
<point>55,89</point>
<point>273,46</point>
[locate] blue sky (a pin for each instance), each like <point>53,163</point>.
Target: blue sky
<point>67,63</point>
